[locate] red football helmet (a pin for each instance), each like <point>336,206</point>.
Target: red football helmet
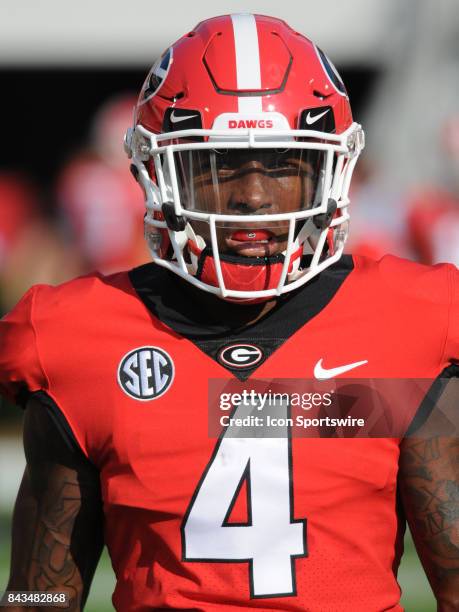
<point>244,145</point>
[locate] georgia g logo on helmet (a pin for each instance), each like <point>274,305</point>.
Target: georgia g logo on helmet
<point>156,76</point>
<point>244,146</point>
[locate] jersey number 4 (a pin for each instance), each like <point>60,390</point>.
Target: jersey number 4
<point>271,539</point>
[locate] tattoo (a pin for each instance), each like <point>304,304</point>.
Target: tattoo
<point>429,483</point>
<point>58,521</point>
<point>53,567</point>
<point>426,450</point>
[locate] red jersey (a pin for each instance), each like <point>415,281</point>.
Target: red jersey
<point>195,522</point>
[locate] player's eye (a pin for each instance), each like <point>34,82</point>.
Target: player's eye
<point>227,160</point>
<point>284,159</point>
<point>202,164</point>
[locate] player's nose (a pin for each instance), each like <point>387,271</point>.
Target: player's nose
<point>251,193</point>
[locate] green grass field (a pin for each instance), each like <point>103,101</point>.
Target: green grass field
<point>417,595</point>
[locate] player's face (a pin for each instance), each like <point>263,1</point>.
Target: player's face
<point>251,182</point>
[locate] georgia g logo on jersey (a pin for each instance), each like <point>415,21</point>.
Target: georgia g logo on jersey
<point>146,373</point>
<point>240,356</point>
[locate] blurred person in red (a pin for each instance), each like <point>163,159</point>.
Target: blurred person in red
<point>433,211</point>
<point>379,225</point>
<point>25,231</point>
<point>17,206</point>
<point>99,203</point>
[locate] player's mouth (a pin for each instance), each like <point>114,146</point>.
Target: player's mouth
<point>254,242</point>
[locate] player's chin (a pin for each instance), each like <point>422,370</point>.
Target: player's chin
<point>265,248</point>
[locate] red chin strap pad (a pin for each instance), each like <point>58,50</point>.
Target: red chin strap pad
<point>244,273</point>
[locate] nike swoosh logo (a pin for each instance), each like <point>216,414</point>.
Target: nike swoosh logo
<point>322,373</point>
<point>310,120</point>
<point>175,119</point>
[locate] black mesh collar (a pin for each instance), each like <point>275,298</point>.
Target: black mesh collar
<point>212,323</point>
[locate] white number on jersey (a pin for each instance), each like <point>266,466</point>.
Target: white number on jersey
<point>271,538</point>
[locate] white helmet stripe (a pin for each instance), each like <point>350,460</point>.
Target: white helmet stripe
<point>247,60</point>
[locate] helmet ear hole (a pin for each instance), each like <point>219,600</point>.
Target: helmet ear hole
<point>323,221</point>
<point>174,222</point>
<point>135,172</point>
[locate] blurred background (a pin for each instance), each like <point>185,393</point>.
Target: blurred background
<point>69,73</point>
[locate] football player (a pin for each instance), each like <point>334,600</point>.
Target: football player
<point>244,145</point>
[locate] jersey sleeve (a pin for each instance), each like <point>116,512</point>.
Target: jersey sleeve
<point>20,370</point>
<point>452,341</point>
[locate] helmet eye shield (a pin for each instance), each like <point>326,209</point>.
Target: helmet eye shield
<point>242,182</point>
<point>230,162</point>
<point>216,157</point>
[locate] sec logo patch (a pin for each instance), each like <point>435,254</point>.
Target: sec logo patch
<point>240,356</point>
<point>146,373</point>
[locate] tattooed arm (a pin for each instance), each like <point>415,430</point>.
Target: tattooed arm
<point>429,485</point>
<point>57,523</point>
